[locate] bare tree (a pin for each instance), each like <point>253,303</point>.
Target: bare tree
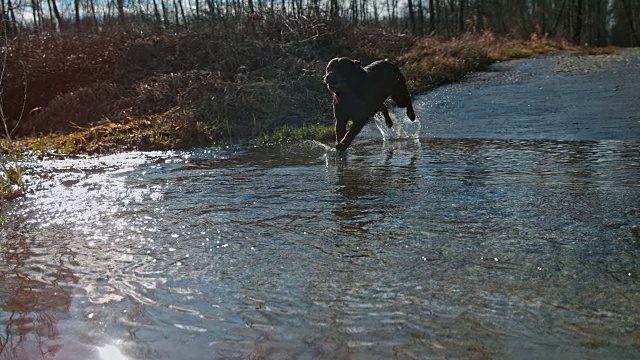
<point>184,18</point>
<point>120,5</point>
<point>432,17</point>
<point>629,11</point>
<point>412,16</point>
<point>92,10</point>
<point>13,24</point>
<point>156,12</point>
<point>577,30</point>
<point>76,8</point>
<point>165,13</point>
<point>56,13</point>
<point>461,16</point>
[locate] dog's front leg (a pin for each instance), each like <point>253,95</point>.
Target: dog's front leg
<point>341,130</point>
<point>341,122</point>
<point>354,129</point>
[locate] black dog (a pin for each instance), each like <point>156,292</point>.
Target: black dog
<point>358,93</point>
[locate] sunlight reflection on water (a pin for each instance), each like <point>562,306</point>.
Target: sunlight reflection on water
<point>513,235</point>
<point>446,247</point>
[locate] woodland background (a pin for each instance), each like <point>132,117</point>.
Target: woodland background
<point>93,76</point>
<point>592,22</point>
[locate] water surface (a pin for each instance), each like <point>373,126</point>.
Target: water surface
<point>496,244</point>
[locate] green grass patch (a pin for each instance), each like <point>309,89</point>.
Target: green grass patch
<point>288,133</point>
<point>11,178</point>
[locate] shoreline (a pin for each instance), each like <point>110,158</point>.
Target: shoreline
<point>267,100</point>
<point>170,131</point>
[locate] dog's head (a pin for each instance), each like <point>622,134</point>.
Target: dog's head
<point>343,74</point>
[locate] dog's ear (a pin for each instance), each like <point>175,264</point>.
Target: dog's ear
<point>359,74</point>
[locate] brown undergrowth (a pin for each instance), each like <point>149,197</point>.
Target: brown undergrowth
<point>433,61</point>
<point>213,82</point>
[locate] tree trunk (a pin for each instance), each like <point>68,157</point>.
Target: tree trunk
<point>412,17</point>
<point>452,16</point>
<point>354,11</point>
<point>432,17</point>
<point>13,27</point>
<point>120,4</point>
<point>94,18</point>
<point>461,16</point>
<point>629,12</point>
<point>56,13</point>
<point>375,13</point>
<point>175,12</point>
<point>420,18</point>
<point>76,8</point>
<point>479,16</point>
<point>184,18</point>
<point>577,30</point>
<point>165,13</point>
<point>156,12</point>
<point>388,6</point>
<point>34,12</point>
<point>555,26</point>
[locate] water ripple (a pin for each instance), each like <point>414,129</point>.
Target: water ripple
<point>463,248</point>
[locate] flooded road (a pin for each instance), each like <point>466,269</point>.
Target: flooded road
<point>503,231</point>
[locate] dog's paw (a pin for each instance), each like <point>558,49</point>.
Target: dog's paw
<point>411,114</point>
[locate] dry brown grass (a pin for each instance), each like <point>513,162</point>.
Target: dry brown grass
<point>254,71</point>
<point>40,68</point>
<point>71,110</point>
<point>433,61</point>
<point>219,81</point>
<point>587,51</point>
<point>175,128</point>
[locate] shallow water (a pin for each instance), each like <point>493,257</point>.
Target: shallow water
<point>439,247</point>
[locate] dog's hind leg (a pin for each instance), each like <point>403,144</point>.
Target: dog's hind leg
<point>387,118</point>
<point>401,97</point>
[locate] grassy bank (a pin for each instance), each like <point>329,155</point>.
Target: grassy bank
<point>210,83</point>
<point>11,178</point>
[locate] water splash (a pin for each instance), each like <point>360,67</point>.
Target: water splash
<point>402,128</point>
